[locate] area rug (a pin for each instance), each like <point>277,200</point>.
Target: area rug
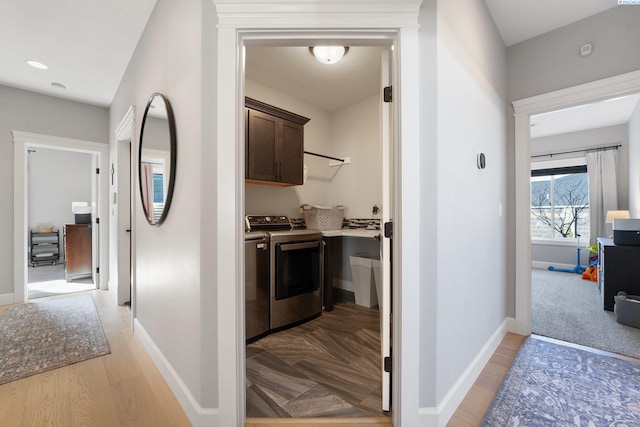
<point>37,337</point>
<point>553,385</point>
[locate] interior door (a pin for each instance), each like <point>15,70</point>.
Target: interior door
<point>384,303</point>
<point>95,220</point>
<point>124,221</point>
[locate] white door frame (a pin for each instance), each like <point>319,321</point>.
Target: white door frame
<point>123,212</point>
<point>347,21</point>
<point>620,85</point>
<point>22,142</point>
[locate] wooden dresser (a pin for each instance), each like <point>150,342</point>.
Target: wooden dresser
<point>77,248</point>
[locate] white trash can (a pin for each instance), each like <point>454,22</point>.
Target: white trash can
<point>364,286</point>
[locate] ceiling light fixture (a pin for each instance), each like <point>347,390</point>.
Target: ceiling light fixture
<point>58,85</point>
<point>329,54</point>
<point>36,64</point>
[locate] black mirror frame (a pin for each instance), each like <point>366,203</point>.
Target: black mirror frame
<point>172,161</point>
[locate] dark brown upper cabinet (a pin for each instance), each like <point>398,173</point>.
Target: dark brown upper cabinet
<point>274,144</point>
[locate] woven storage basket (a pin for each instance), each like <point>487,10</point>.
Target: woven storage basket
<point>323,217</point>
<point>44,228</point>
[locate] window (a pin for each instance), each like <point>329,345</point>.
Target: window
<point>560,203</point>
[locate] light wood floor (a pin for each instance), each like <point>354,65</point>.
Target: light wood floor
<point>123,388</point>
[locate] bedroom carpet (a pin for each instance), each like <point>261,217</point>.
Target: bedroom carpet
<point>568,308</point>
<point>40,336</point>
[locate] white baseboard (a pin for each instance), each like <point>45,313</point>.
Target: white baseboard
<point>544,265</point>
<point>518,327</point>
<point>198,415</point>
<point>440,415</point>
<point>6,299</point>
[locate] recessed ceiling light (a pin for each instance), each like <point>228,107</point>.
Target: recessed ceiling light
<point>58,85</point>
<point>36,64</point>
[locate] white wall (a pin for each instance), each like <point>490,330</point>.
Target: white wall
<point>355,133</point>
<point>57,178</point>
<point>469,243</point>
<point>612,135</point>
<point>31,112</point>
<point>175,308</point>
<point>634,163</point>
<point>552,61</point>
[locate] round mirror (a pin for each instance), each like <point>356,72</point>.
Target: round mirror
<point>157,158</point>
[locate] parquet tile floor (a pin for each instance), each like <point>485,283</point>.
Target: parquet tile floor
<point>327,367</point>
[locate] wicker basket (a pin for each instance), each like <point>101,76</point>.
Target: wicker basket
<point>323,217</point>
<point>44,228</point>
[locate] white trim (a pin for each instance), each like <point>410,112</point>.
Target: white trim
<point>615,86</point>
<point>312,16</point>
<point>440,415</point>
<point>560,242</point>
<point>544,265</point>
<point>125,132</point>
<point>22,141</point>
<point>198,415</point>
<point>317,14</point>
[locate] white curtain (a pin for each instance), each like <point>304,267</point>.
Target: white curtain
<point>602,168</point>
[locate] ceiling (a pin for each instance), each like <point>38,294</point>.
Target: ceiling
<point>327,86</point>
<point>88,45</point>
<point>519,20</point>
<point>615,111</point>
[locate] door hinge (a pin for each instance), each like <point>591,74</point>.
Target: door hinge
<point>97,220</point>
<point>387,364</point>
<point>97,171</point>
<point>387,94</point>
<point>388,230</point>
<point>97,270</point>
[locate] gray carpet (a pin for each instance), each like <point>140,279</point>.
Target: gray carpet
<point>568,308</point>
<point>49,334</point>
<point>551,385</point>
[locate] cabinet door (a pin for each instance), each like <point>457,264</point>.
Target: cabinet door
<point>261,146</point>
<point>290,152</point>
<point>77,251</point>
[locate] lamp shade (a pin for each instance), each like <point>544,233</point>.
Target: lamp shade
<point>611,215</point>
<point>329,54</point>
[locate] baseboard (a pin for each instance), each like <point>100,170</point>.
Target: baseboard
<point>6,299</point>
<point>544,265</point>
<point>198,415</point>
<point>518,327</point>
<point>440,415</point>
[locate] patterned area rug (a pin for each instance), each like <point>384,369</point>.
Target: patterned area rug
<point>554,385</point>
<point>37,337</point>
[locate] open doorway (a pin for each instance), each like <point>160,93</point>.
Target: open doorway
<point>596,91</point>
<point>341,373</point>
<point>97,204</point>
<point>579,172</point>
<point>60,197</point>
